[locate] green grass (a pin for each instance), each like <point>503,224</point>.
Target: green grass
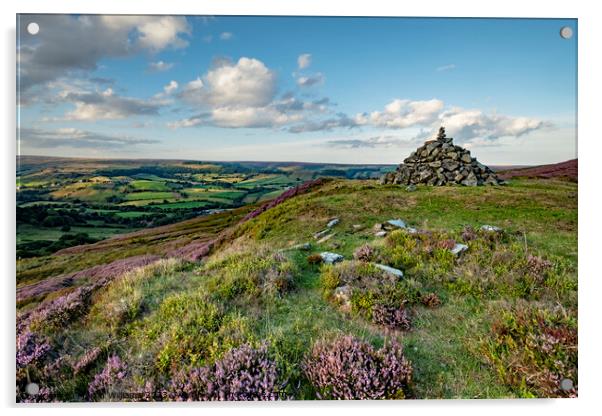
<point>174,315</point>
<point>143,196</point>
<point>149,185</point>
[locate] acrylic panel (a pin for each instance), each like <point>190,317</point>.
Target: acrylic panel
<point>295,208</point>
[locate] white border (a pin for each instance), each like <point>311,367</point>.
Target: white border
<point>589,188</point>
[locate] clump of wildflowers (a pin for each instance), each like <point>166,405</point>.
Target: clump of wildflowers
<point>352,369</point>
<point>391,317</point>
<point>114,371</point>
<point>244,373</point>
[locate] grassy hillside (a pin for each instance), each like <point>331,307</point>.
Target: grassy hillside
<point>498,320</point>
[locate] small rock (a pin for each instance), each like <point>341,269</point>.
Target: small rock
<point>378,227</point>
<point>326,238</point>
<point>491,228</point>
<point>330,258</point>
<point>304,247</point>
<point>459,249</point>
<point>411,188</point>
<point>321,234</point>
<point>397,223</point>
<point>357,226</point>
<point>411,230</point>
<point>332,222</point>
<point>390,270</point>
<point>342,294</point>
<point>381,234</point>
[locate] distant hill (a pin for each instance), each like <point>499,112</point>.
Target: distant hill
<point>566,169</point>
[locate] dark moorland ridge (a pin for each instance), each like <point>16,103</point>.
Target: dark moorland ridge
<point>566,169</point>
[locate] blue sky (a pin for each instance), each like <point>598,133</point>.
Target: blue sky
<point>349,90</point>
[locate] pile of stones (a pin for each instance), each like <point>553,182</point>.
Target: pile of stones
<point>440,162</point>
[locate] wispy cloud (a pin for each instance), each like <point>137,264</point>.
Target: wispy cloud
<point>444,68</point>
<point>226,35</point>
<point>159,66</point>
<point>76,138</point>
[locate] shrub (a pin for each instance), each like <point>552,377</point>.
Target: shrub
<point>244,373</point>
<point>469,233</point>
<point>538,267</point>
<point>314,259</point>
<point>430,300</point>
<point>352,369</point>
<point>105,381</point>
<point>534,350</point>
<point>391,317</point>
<point>30,348</point>
<point>364,253</point>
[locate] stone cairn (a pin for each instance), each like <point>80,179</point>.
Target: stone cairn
<point>440,162</point>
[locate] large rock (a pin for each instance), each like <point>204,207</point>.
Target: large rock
<point>330,258</point>
<point>439,162</point>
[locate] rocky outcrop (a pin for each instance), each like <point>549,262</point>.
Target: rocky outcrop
<point>440,162</point>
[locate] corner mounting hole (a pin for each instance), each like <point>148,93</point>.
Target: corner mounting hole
<point>566,32</point>
<point>33,28</point>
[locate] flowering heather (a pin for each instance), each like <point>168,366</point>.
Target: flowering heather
<point>114,371</point>
<point>391,317</point>
<point>244,373</point>
<point>30,348</point>
<point>430,300</point>
<point>305,186</point>
<point>86,360</point>
<point>534,350</point>
<point>351,369</point>
<point>538,266</point>
<point>364,253</point>
<point>102,271</point>
<point>469,233</point>
<point>45,395</point>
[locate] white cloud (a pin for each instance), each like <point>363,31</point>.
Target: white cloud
<point>171,87</point>
<point>160,66</point>
<point>246,83</point>
<point>403,113</point>
<point>474,124</point>
<point>304,60</point>
<point>226,35</point>
<point>76,43</point>
<point>446,67</point>
<point>311,80</point>
<point>76,138</point>
<point>106,105</point>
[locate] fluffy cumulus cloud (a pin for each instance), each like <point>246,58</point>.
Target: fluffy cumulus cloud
<point>75,43</point>
<point>71,137</point>
<point>246,83</point>
<point>462,124</point>
<point>475,124</point>
<point>106,105</point>
<point>304,61</point>
<point>402,114</point>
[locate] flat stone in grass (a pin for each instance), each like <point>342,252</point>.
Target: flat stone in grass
<point>332,222</point>
<point>381,234</point>
<point>491,228</point>
<point>304,247</point>
<point>321,233</point>
<point>326,238</point>
<point>330,258</point>
<point>397,223</point>
<point>459,249</point>
<point>390,270</point>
